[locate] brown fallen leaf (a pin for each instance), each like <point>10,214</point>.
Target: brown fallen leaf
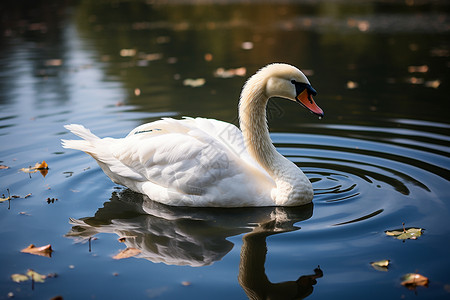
<point>42,251</point>
<point>41,167</point>
<point>2,167</point>
<point>413,280</point>
<point>129,252</point>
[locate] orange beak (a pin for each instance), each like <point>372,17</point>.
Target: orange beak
<point>305,98</point>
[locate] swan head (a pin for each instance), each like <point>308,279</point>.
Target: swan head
<point>288,82</point>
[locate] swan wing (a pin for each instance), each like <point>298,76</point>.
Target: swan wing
<point>189,161</point>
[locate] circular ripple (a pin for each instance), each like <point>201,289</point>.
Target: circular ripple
<point>361,173</point>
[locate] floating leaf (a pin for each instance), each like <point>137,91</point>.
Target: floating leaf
<point>28,170</point>
<point>36,276</point>
<point>2,167</point>
<point>247,45</point>
<point>5,199</point>
<point>127,52</point>
<point>42,251</point>
<point>433,83</point>
<point>352,85</point>
<point>194,82</point>
<point>19,277</point>
<point>208,57</point>
<point>223,73</point>
<point>129,252</point>
<point>406,233</point>
<point>413,280</point>
<point>381,265</point>
<point>42,167</point>
<point>415,80</point>
<point>418,69</point>
<point>124,238</point>
<point>53,62</point>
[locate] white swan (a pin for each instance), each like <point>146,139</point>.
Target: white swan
<point>206,162</point>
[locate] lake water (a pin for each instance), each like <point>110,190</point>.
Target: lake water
<point>378,159</point>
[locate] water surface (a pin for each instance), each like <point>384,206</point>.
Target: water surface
<point>378,159</point>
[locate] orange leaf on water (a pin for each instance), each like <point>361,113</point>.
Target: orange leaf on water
<point>413,280</point>
<point>41,166</point>
<point>42,251</point>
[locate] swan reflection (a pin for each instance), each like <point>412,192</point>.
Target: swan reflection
<point>252,275</point>
<point>198,237</point>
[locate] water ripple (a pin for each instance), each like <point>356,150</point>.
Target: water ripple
<point>361,172</point>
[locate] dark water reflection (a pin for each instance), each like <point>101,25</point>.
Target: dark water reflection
<point>379,158</point>
<point>198,237</point>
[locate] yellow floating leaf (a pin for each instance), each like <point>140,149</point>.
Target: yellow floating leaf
<point>381,265</point>
<point>407,233</point>
<point>129,252</point>
<point>5,198</point>
<point>36,276</point>
<point>19,277</point>
<point>28,170</point>
<point>42,251</point>
<point>412,280</point>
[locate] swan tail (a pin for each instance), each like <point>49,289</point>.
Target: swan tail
<point>88,142</point>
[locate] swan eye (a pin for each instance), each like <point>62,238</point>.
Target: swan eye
<point>293,81</point>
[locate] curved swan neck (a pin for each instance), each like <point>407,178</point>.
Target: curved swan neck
<point>292,186</point>
<point>253,123</point>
